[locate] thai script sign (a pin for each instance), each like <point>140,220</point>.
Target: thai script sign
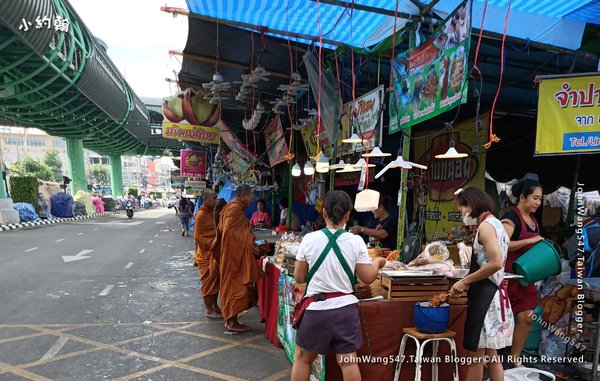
<point>444,176</point>
<point>184,131</point>
<point>432,79</point>
<point>568,115</point>
<point>366,119</point>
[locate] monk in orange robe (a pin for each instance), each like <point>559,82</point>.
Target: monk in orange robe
<point>204,235</point>
<point>237,263</point>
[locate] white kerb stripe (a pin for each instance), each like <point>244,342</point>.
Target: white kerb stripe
<point>59,240</point>
<point>129,265</point>
<point>106,290</point>
<point>32,249</point>
<point>142,251</point>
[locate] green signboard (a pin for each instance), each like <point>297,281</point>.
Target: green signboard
<point>432,78</point>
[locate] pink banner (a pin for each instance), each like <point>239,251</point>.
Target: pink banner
<point>193,163</point>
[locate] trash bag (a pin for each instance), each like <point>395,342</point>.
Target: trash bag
<point>26,212</point>
<point>62,205</point>
<point>45,213</point>
<point>86,199</point>
<point>80,209</point>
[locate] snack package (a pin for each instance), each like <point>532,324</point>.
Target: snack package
<point>434,252</point>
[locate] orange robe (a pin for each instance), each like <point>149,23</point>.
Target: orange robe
<point>204,235</point>
<point>237,264</point>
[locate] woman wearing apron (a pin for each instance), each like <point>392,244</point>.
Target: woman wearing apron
<point>489,323</point>
<point>524,232</point>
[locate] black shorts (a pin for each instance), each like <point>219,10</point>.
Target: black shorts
<point>339,330</point>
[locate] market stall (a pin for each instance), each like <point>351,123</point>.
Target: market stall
<point>382,324</point>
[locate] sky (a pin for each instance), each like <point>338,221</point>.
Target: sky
<point>139,36</point>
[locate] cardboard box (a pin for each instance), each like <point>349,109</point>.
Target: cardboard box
<point>551,216</point>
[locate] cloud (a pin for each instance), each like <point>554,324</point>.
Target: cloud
<point>139,36</point>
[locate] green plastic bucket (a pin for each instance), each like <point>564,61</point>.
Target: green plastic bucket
<point>532,344</point>
<point>539,262</point>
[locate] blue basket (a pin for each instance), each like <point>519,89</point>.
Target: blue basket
<point>431,319</point>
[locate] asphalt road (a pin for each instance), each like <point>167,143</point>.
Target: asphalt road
<point>112,298</point>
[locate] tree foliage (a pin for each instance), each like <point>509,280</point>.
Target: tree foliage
<point>52,160</point>
<point>31,167</point>
<point>100,174</point>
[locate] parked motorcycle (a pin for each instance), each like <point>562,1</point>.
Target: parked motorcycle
<point>129,208</point>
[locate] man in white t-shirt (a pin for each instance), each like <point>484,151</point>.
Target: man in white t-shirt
<point>283,205</point>
<point>331,321</point>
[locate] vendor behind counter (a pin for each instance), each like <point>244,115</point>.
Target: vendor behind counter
<point>386,231</point>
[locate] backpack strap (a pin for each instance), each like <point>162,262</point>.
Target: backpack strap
<point>333,245</point>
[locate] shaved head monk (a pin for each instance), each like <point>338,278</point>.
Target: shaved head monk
<point>204,235</point>
<point>238,266</point>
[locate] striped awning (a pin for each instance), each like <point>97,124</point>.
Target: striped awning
<point>554,22</point>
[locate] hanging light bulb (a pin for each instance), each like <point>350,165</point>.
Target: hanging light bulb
<point>309,170</point>
<point>452,153</point>
<point>323,164</point>
<point>376,152</point>
<point>296,170</point>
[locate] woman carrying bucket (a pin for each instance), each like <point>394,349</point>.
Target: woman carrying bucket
<point>524,232</point>
<point>489,323</point>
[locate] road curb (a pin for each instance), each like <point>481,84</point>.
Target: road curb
<point>53,221</point>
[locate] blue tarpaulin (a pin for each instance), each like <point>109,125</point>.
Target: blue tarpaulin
<point>553,22</point>
<point>62,205</point>
<point>26,212</point>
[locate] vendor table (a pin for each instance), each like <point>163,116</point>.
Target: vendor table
<point>382,324</point>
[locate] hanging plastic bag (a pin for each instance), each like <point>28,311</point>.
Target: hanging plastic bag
<point>527,374</point>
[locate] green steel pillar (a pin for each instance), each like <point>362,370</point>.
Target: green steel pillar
<point>2,187</point>
<point>76,165</point>
<point>116,176</point>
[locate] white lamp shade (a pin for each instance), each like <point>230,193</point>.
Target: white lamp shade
<point>309,170</point>
<point>452,153</point>
<point>323,164</point>
<point>366,201</point>
<point>362,163</point>
<point>348,168</point>
<point>376,152</point>
<point>353,139</point>
<point>296,170</point>
<point>339,165</point>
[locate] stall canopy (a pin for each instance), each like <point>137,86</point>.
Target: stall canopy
<point>365,23</point>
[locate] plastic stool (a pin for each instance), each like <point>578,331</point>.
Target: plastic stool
<point>434,338</point>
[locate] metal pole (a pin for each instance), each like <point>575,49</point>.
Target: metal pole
<point>405,153</point>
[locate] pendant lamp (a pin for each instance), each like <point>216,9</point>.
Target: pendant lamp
<point>376,152</point>
<point>452,153</point>
<point>362,163</point>
<point>354,139</point>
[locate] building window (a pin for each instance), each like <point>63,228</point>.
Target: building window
<point>13,141</point>
<point>35,142</point>
<point>59,143</point>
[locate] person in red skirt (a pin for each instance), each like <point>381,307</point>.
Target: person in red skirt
<point>524,232</point>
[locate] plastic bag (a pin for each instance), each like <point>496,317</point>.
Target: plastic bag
<point>464,253</point>
<point>526,374</point>
<point>434,252</point>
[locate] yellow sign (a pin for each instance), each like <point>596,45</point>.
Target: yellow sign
<point>189,132</point>
<point>444,176</point>
<point>568,116</point>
